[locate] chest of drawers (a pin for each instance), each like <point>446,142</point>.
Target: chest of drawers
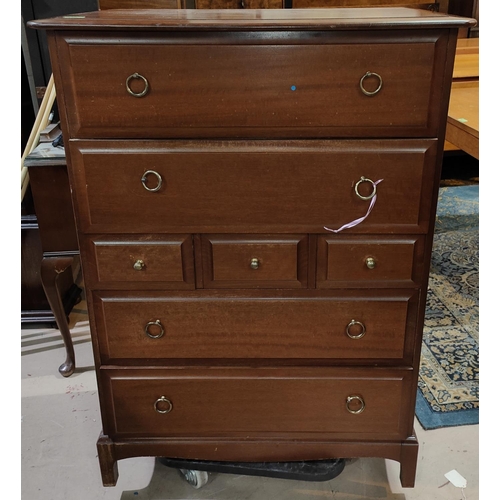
<point>211,153</point>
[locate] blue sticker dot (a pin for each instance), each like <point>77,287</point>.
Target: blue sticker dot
<point>293,88</point>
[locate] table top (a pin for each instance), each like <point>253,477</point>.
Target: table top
<point>45,155</point>
<point>464,107</point>
<point>466,58</point>
<point>462,128</point>
<point>371,18</point>
<point>463,114</point>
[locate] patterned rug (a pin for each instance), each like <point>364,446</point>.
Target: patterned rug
<point>448,392</point>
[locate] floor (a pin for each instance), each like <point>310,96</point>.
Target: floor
<point>61,423</point>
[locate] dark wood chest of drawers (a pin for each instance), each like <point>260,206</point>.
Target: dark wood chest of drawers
<point>211,155</point>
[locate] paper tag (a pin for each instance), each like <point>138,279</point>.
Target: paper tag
<point>456,479</point>
<point>462,120</point>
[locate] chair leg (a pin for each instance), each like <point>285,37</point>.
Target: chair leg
<point>51,269</point>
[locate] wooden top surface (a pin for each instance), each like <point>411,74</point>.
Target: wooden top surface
<point>256,19</point>
<point>467,58</point>
<point>463,112</point>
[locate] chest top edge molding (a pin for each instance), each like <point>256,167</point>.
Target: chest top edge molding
<point>372,18</point>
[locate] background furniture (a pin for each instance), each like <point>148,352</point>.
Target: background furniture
<point>45,258</point>
<point>463,117</point>
<point>58,263</point>
<point>228,321</point>
<point>35,308</point>
<point>462,131</point>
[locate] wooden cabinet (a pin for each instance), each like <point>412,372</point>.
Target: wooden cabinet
<point>213,155</point>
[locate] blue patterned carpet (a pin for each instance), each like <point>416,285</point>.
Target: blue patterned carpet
<point>449,371</point>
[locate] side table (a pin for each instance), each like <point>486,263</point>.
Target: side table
<point>52,199</point>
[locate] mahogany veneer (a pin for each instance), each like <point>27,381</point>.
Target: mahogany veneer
<point>209,151</point>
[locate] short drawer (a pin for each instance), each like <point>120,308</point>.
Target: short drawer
<point>255,261</point>
<point>140,261</point>
<point>309,84</point>
<point>253,186</point>
<point>331,325</point>
<point>373,261</point>
<point>330,403</point>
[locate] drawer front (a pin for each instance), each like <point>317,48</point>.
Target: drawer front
<point>128,262</point>
<point>254,85</point>
<point>375,261</point>
<point>252,403</point>
<point>264,186</point>
<point>257,325</point>
<point>259,261</point>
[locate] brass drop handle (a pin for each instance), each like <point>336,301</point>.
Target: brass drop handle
<point>139,265</point>
<point>163,402</point>
<point>137,76</point>
<point>361,181</point>
<point>144,180</point>
<point>359,326</point>
<point>369,74</point>
<point>157,324</point>
<point>370,263</point>
<point>357,399</point>
<point>254,263</point>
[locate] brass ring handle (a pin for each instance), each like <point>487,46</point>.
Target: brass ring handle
<point>368,74</point>
<point>355,398</point>
<point>144,179</point>
<point>163,399</point>
<point>254,264</point>
<point>136,76</point>
<point>355,323</point>
<point>372,194</point>
<point>139,265</point>
<point>154,323</point>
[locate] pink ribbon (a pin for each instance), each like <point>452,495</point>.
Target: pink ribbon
<point>361,219</point>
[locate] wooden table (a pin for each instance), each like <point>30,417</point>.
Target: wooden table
<point>52,198</point>
<point>466,59</point>
<point>462,131</point>
<point>463,117</point>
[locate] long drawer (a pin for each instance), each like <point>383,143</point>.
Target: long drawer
<point>328,85</point>
<point>265,186</point>
<point>314,402</point>
<point>327,325</point>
